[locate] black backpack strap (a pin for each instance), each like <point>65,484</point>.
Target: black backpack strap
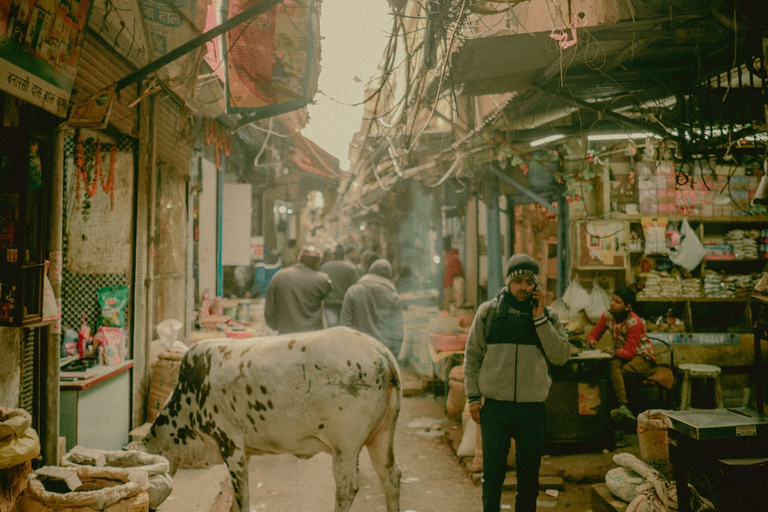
<point>490,317</point>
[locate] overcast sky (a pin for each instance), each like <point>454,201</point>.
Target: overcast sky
<point>354,34</point>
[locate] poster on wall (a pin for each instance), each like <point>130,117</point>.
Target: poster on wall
<point>601,243</point>
<point>168,24</point>
<point>40,44</point>
<point>272,62</point>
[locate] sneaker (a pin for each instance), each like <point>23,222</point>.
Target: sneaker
<point>619,440</point>
<point>622,414</point>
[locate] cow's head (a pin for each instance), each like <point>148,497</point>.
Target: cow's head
<point>176,432</point>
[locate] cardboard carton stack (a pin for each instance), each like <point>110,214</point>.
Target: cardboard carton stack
<point>700,189</point>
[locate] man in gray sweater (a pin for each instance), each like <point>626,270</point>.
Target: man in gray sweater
<point>373,306</point>
<point>343,274</point>
<point>294,301</point>
<point>513,339</point>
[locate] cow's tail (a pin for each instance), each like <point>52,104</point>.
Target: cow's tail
<point>381,442</point>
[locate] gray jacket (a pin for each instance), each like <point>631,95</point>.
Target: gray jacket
<point>294,299</point>
<point>343,274</point>
<point>509,371</point>
<point>373,306</point>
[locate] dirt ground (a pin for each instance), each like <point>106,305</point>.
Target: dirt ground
<point>432,481</point>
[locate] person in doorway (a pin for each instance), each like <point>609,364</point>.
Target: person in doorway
<point>373,306</point>
<point>511,342</point>
<point>451,270</point>
<point>263,272</point>
<point>290,254</point>
<point>634,359</point>
<point>294,301</point>
<point>343,274</point>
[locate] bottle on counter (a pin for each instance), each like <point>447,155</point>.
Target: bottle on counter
<point>83,336</point>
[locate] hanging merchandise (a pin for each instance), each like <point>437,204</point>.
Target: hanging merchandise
<point>690,251</point>
<point>83,337</point>
<point>576,297</point>
<point>600,301</point>
<point>112,302</point>
<point>220,138</point>
<point>50,304</point>
<point>35,173</point>
<point>654,232</point>
<point>89,173</point>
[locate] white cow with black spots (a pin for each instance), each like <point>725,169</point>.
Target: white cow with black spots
<point>331,391</point>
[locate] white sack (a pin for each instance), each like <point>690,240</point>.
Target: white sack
<point>690,251</point>
<point>600,302</point>
<point>575,296</point>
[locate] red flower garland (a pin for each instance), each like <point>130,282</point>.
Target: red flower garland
<point>79,168</point>
<point>215,133</point>
<point>81,173</point>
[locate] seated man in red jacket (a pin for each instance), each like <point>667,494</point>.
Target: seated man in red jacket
<point>633,356</point>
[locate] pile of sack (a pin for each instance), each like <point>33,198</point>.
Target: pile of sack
<point>580,307</point>
<point>645,488</point>
<point>88,479</point>
<point>19,444</point>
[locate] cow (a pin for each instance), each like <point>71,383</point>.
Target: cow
<point>333,391</point>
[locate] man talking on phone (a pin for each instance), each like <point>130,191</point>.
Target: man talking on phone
<point>513,339</point>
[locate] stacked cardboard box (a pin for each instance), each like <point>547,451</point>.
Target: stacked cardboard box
<point>705,190</point>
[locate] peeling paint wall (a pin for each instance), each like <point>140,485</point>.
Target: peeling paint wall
<point>10,366</point>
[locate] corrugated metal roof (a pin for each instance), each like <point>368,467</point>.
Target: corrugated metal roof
<point>609,60</point>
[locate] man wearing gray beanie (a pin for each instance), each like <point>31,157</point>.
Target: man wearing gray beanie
<point>513,339</point>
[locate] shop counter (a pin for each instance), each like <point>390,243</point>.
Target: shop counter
<point>95,406</point>
<point>578,410</point>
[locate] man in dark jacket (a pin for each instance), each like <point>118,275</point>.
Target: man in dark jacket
<point>343,274</point>
<point>373,306</point>
<point>295,295</point>
<point>506,377</point>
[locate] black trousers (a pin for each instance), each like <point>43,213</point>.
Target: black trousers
<point>501,421</point>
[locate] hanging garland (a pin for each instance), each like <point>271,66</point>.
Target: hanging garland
<point>215,133</point>
<point>90,181</point>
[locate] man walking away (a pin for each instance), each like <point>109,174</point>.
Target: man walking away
<point>373,306</point>
<point>343,274</point>
<point>511,342</point>
<point>295,295</point>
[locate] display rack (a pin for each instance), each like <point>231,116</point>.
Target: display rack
<point>612,248</point>
<point>24,156</point>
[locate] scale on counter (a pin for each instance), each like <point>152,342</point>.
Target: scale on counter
<point>80,365</point>
<point>719,423</point>
<point>77,369</point>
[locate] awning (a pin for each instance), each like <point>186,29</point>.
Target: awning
<point>660,55</point>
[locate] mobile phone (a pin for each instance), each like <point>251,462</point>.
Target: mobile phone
<point>534,300</point>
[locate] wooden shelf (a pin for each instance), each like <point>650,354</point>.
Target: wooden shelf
<point>692,299</point>
<point>747,219</point>
<point>751,260</point>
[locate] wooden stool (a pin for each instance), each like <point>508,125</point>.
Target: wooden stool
<point>699,371</point>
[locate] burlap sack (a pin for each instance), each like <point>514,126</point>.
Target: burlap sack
<point>456,394</point>
<point>129,496</point>
<point>165,374</point>
<point>13,480</point>
<point>157,468</point>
